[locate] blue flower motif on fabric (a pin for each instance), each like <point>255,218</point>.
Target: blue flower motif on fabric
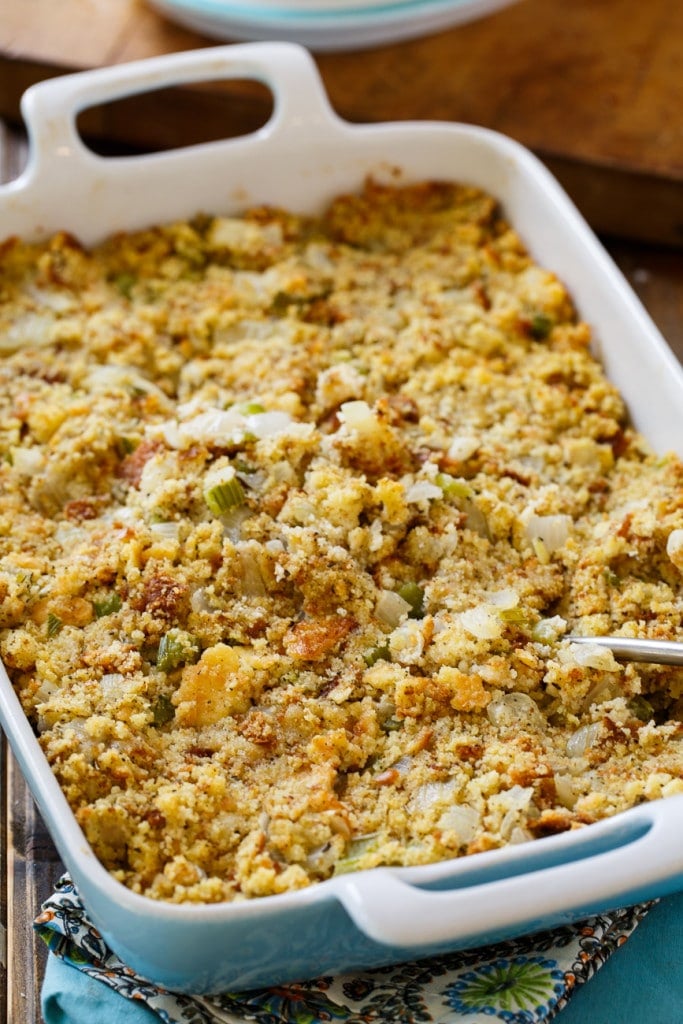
<point>518,991</point>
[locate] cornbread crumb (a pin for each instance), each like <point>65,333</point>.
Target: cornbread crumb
<point>297,516</point>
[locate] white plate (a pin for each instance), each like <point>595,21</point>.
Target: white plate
<point>325,26</point>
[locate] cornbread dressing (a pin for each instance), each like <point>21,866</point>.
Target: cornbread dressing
<point>297,517</point>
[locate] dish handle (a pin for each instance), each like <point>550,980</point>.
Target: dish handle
<point>50,108</point>
<point>608,864</point>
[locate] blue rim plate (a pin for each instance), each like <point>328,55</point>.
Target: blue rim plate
<point>325,28</point>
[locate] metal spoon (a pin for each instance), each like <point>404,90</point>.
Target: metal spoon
<point>660,652</point>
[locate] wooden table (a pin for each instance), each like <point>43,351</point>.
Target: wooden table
<point>29,862</point>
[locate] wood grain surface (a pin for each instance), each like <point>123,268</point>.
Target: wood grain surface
<point>595,87</point>
<point>29,864</point>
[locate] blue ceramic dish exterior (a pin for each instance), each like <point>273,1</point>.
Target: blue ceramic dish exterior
<point>314,940</point>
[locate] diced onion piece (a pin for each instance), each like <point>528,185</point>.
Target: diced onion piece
<point>403,765</point>
<point>234,520</point>
<point>391,608</point>
<point>516,800</point>
<point>553,530</point>
<point>548,631</point>
<point>108,376</point>
<point>112,684</point>
<point>588,656</point>
<point>482,621</point>
<point>27,461</point>
<point>462,448</point>
<point>423,490</point>
<point>31,330</point>
<point>475,519</point>
<point>606,688</point>
<point>504,600</point>
<point>513,710</point>
<point>322,858</point>
<point>199,601</point>
<point>267,424</point>
<point>210,427</point>
<point>358,416</point>
<point>429,794</point>
<point>461,819</point>
<point>583,739</point>
<point>567,790</point>
<point>166,531</point>
<point>519,835</point>
<point>674,548</point>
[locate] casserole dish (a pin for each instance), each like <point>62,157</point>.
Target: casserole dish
<point>388,914</point>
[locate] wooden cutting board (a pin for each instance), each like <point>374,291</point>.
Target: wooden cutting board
<point>595,87</point>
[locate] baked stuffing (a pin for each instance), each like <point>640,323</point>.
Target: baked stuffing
<point>297,516</point>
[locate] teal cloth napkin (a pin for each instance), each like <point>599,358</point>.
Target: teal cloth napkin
<point>522,981</point>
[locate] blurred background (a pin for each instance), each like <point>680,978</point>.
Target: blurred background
<point>594,87</point>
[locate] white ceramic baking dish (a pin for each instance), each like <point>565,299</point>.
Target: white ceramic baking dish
<point>302,158</point>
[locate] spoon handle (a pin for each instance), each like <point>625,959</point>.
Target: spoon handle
<point>662,652</point>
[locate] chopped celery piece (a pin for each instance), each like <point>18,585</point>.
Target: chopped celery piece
<point>54,625</point>
<point>414,596</point>
<point>107,606</point>
<point>377,654</point>
<point>541,326</point>
<point>452,487</point>
<point>641,708</point>
<point>124,283</point>
<point>355,851</point>
<point>224,496</point>
<point>176,648</point>
<point>125,446</point>
<point>163,711</point>
<point>281,303</point>
<point>252,409</point>
<point>516,616</point>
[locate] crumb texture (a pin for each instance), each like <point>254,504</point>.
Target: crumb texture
<point>297,516</point>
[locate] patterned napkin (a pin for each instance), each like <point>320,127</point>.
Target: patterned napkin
<point>521,981</point>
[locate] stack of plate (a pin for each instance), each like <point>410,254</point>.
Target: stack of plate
<point>324,24</point>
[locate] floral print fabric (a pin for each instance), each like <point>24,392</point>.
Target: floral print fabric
<point>520,981</point>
